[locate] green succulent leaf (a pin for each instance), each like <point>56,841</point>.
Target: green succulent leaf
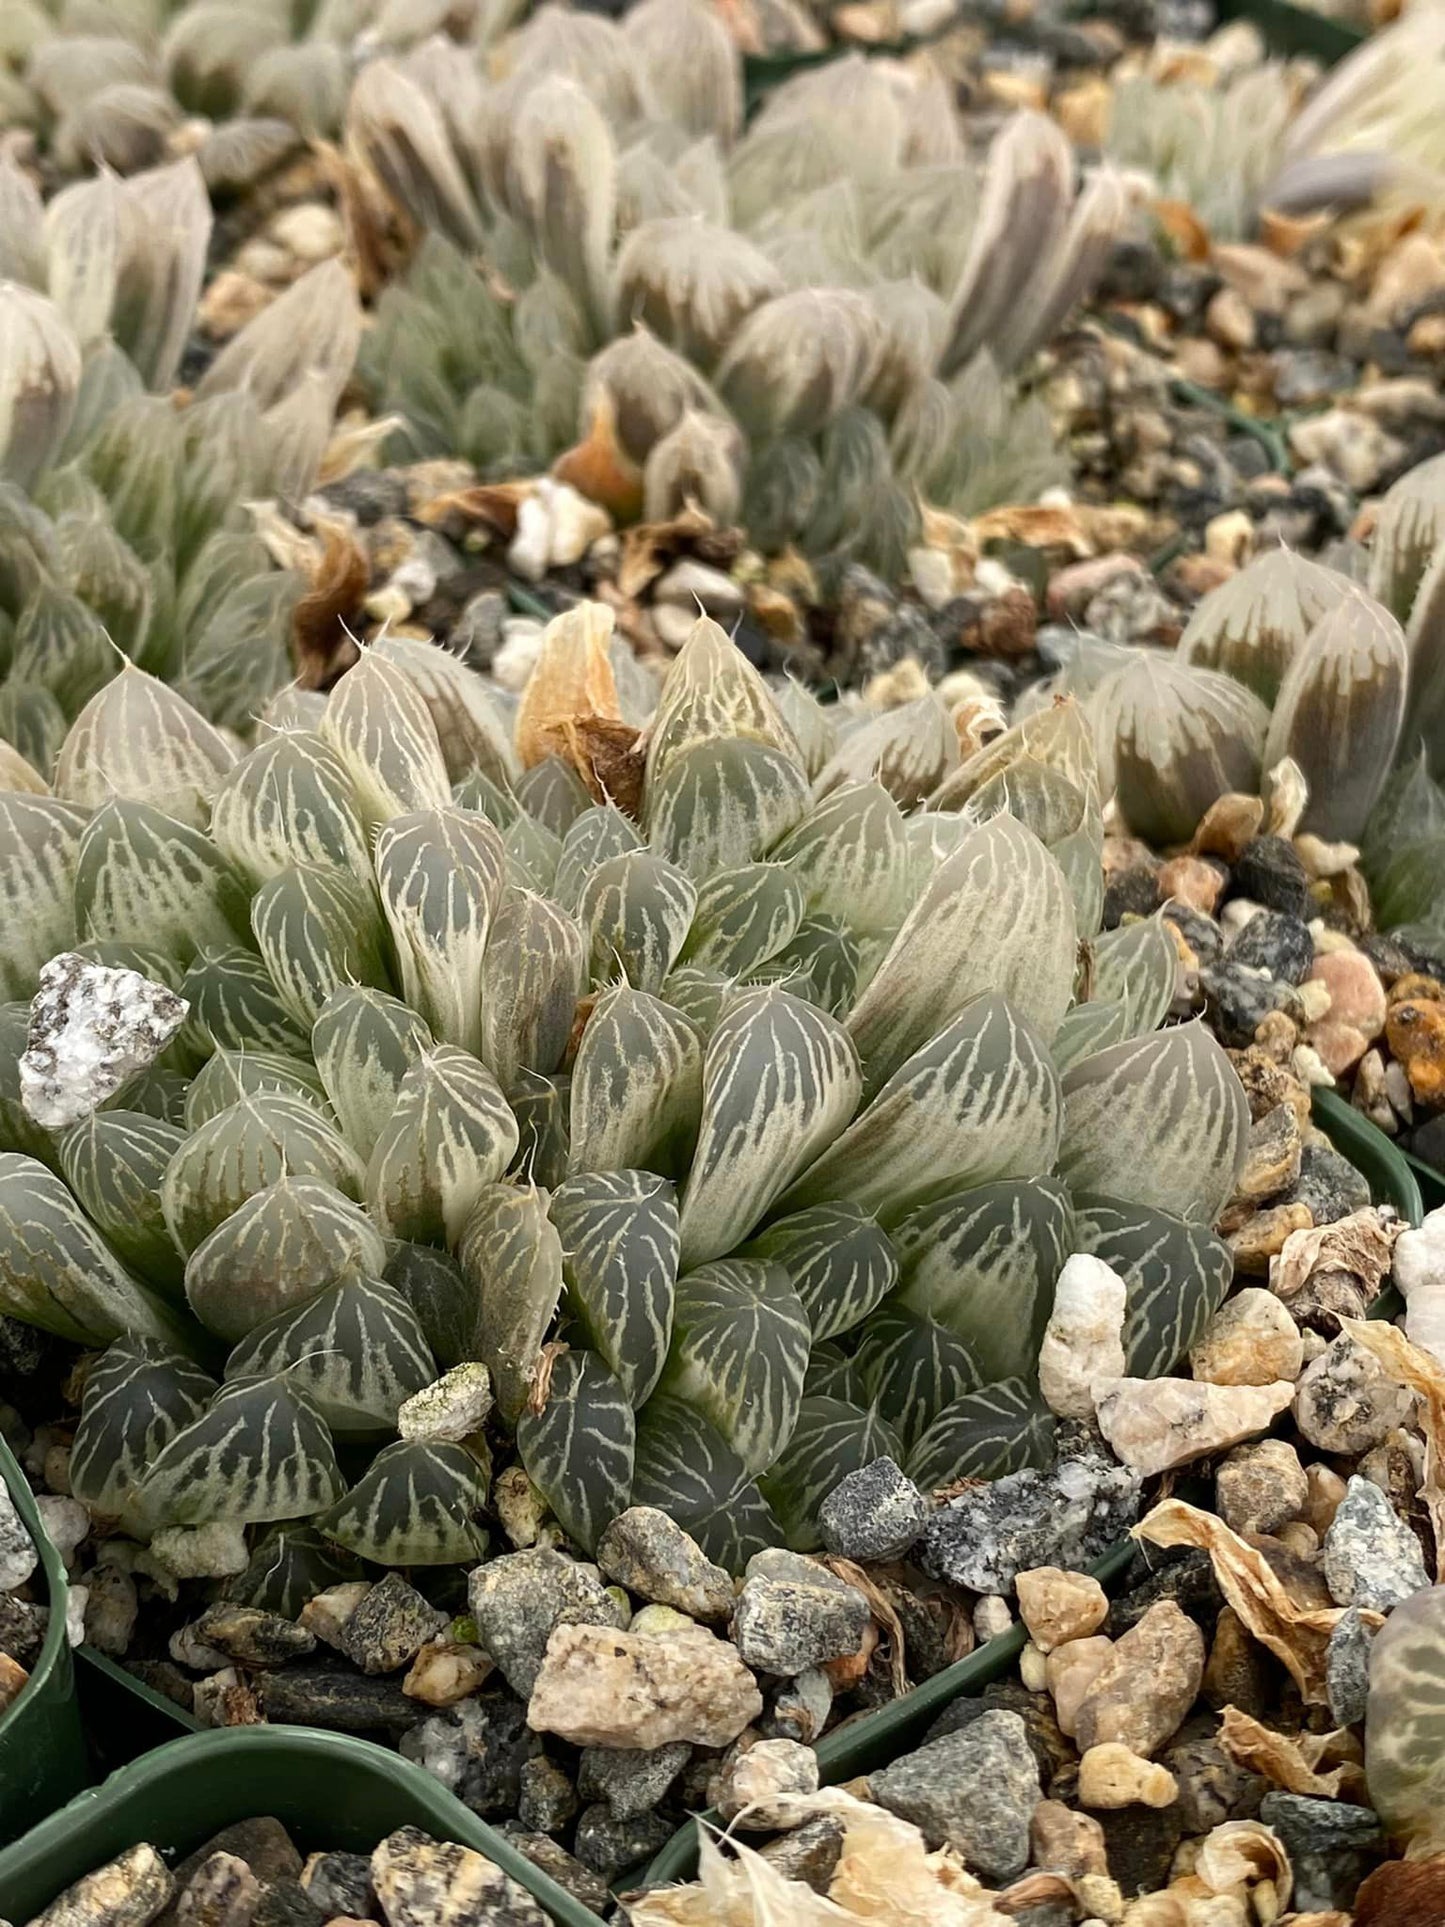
<point>532,852</point>
<point>1176,1276</point>
<point>1254,624</point>
<point>114,1162</point>
<point>553,794</point>
<point>720,804</point>
<point>838,1259</point>
<point>620,1243</point>
<point>744,917</point>
<point>834,1373</point>
<point>234,1006</point>
<point>290,1565</point>
<point>636,911</point>
<point>474,736</point>
<point>511,1255</point>
<point>1172,740</point>
<point>686,1469</point>
<point>712,693</point>
<point>831,1439</point>
<point>39,854</point>
<point>144,877</point>
<point>983,1263</point>
<point>780,1082</point>
<point>850,853</point>
<point>138,1395</point>
<point>822,963</point>
<point>18,1130</point>
<point>985,1434</point>
<point>450,1136</point>
<point>1088,1028</point>
<point>356,1348</point>
<point>443,1299</point>
<point>592,839</point>
<point>1160,1121</point>
<point>364,1042</point>
<point>543,1109</point>
<point>227,1076</point>
<point>578,1450</point>
<point>701,996</point>
<point>417,1504</point>
<point>60,643</point>
<point>378,723</point>
<point>636,1086</point>
<point>317,930</point>
<point>260,1451</point>
<point>912,1368</point>
<point>1137,964</point>
<point>290,803</point>
<point>276,1252</point>
<point>441,874</point>
<point>532,977</point>
<point>909,750</point>
<point>740,1339</point>
<point>241,1151</point>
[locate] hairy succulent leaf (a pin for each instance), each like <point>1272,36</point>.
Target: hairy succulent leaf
<point>1254,625</point>
<point>743,918</point>
<point>592,839</point>
<point>275,1253</point>
<point>1402,1758</point>
<point>291,1564</point>
<point>317,930</point>
<point>578,1450</point>
<point>542,1109</point>
<point>138,1395</point>
<point>720,804</point>
<point>114,1162</point>
<point>144,877</point>
<point>1173,739</point>
<point>850,854</point>
<point>440,874</point>
<point>909,751</point>
<point>289,802</point>
<point>241,1151</point>
<point>532,976</point>
<point>1136,965</point>
<point>378,723</point>
<point>450,1136</point>
<point>620,1245</point>
<point>637,1086</point>
<point>1409,529</point>
<point>470,728</point>
<point>985,1434</point>
<point>636,911</point>
<point>364,1042</point>
<point>39,855</point>
<point>227,1076</point>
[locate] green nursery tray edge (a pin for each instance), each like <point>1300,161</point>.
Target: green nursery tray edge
<point>1295,30</point>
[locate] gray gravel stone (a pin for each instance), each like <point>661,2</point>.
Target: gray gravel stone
<point>477,1748</point>
<point>435,1883</point>
<point>809,1853</point>
<point>793,1613</point>
<point>975,1790</point>
<point>1345,1402</point>
<point>389,1627</point>
<point>546,1798</point>
<point>1331,1846</point>
<point>1347,1668</point>
<point>18,1557</point>
<point>876,1512</point>
<point>91,1029</point>
<point>222,1892</point>
<point>22,1629</point>
<point>346,1702</point>
<point>800,1709</point>
<point>559,1865</point>
<point>630,1783</point>
<point>650,1554</point>
<point>1067,1516</point>
<point>519,1600</point>
<point>340,1883</point>
<point>1371,1558</point>
<point>126,1892</point>
<point>1276,943</point>
<point>251,1636</point>
<point>606,1845</point>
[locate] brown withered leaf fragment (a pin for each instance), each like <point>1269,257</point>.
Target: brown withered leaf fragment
<point>1035,527</point>
<point>489,505</point>
<point>321,647</point>
<point>600,468</point>
<point>1336,1267</point>
<point>1280,1760</point>
<point>571,682</point>
<point>1295,1634</point>
<point>1184,228</point>
<point>649,548</point>
<point>604,753</point>
<point>883,1613</point>
<point>380,237</point>
<point>541,1387</point>
<point>1035,1890</point>
<point>1411,1366</point>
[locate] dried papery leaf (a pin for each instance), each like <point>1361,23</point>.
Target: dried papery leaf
<point>1172,739</point>
<point>1028,187</point>
<point>315,324</point>
<point>692,284</point>
<point>1422,1374</point>
<point>689,63</point>
<point>572,678</point>
<point>1339,712</point>
<point>649,388</point>
<point>1295,1634</point>
<point>1254,625</point>
<point>562,186</point>
<point>1409,529</point>
<point>799,359</point>
<point>22,227</point>
<point>1062,281</point>
<point>137,740</point>
<point>696,464</point>
<point>395,126</point>
<point>1161,1121</point>
<point>1280,1760</point>
<point>39,377</point>
<point>163,268</point>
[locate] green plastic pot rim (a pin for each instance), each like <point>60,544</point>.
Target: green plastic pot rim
<point>57,1586</point>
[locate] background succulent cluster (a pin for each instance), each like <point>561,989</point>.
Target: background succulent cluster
<point>741,1134</point>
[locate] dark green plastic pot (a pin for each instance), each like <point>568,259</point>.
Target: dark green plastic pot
<point>42,1744</point>
<point>872,1742</point>
<point>327,1789</point>
<point>1295,30</point>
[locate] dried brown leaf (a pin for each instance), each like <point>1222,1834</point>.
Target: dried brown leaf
<point>492,505</point>
<point>881,1606</point>
<point>1279,1759</point>
<point>600,468</point>
<point>1037,527</point>
<point>1360,1244</point>
<point>572,681</point>
<point>604,753</point>
<point>1425,1376</point>
<point>321,646</point>
<point>1295,1634</point>
<point>649,547</point>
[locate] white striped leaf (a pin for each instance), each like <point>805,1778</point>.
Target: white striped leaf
<point>511,1256</point>
<point>39,854</point>
<point>146,961</point>
<point>912,1368</point>
<point>234,1006</point>
<point>687,1470</point>
<point>114,1162</point>
<point>983,1263</point>
<point>553,794</point>
<point>636,1086</point>
<point>850,853</point>
<point>1252,626</point>
<point>744,917</point>
<point>229,1075</point>
<point>619,1232</point>
<point>578,1450</point>
<point>159,1092</point>
<point>470,726</point>
<point>597,835</point>
<point>240,1151</point>
<point>31,720</point>
<point>356,1348</point>
<point>317,930</point>
<point>259,1451</point>
<point>699,994</point>
<point>137,741</point>
<point>18,1130</point>
<point>820,963</point>
<point>780,1081</point>
<point>711,693</point>
<point>1063,814</point>
<point>980,1102</point>
<point>533,853</point>
<point>444,1302</point>
<point>144,877</point>
<point>838,1259</point>
<point>812,726</point>
<point>740,1339</point>
<point>56,1271</point>
<point>1176,1276</point>
<point>379,725</point>
<point>1160,1121</point>
<point>61,644</point>
<point>276,1252</point>
<point>289,1565</point>
<point>1172,740</point>
<point>636,911</point>
<point>450,1136</point>
<point>1137,965</point>
<point>489,799</point>
<point>419,1503</point>
<point>440,874</point>
<point>532,977</point>
<point>996,916</point>
<point>1080,856</point>
<point>985,1434</point>
<point>543,1109</point>
<point>909,751</point>
<point>364,1042</point>
<point>1059,735</point>
<point>722,803</point>
<point>138,1395</point>
<point>1088,1028</point>
<point>831,1439</point>
<point>290,802</point>
<point>834,1373</point>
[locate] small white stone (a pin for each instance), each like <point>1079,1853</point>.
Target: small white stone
<point>991,1616</point>
<point>325,1613</point>
<point>18,1556</point>
<point>767,1785</point>
<point>514,662</point>
<point>77,1598</point>
<point>1033,1668</point>
<point>91,1030</point>
<point>1309,1067</point>
<point>1083,1341</point>
<point>66,1522</point>
<point>1155,1423</point>
<point>211,1691</point>
<point>215,1551</point>
<point>451,1409</point>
